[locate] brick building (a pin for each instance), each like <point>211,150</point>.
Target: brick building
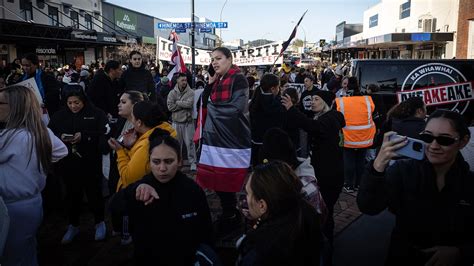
<point>465,31</point>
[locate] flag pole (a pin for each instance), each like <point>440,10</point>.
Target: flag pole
<point>287,43</point>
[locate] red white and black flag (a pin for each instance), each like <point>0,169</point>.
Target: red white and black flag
<point>176,58</point>
<point>292,36</point>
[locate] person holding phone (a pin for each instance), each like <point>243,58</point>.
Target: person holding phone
<point>432,199</point>
<point>83,128</point>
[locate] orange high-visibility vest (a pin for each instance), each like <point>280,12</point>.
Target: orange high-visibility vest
<point>360,129</point>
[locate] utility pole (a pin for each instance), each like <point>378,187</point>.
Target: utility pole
<point>193,69</point>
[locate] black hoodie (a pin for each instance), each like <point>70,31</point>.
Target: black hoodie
<point>326,147</point>
<point>138,79</point>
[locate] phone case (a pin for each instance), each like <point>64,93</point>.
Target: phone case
<point>414,149</point>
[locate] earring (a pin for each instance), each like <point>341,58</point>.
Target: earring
<point>257,223</point>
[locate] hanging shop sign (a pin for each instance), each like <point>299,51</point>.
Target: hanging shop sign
<point>125,19</point>
<point>45,51</point>
<point>77,35</point>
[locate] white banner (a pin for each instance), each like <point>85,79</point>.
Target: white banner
<point>31,84</point>
<point>255,56</point>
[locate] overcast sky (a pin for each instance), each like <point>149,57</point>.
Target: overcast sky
<point>262,19</point>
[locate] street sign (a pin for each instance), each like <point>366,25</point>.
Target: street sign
<point>178,30</point>
<point>189,25</point>
<point>205,30</point>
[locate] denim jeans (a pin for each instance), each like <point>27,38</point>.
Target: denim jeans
<point>354,164</point>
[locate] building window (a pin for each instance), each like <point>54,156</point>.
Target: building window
<point>405,10</point>
<point>88,20</point>
<point>374,21</point>
<point>74,19</point>
<point>53,16</point>
<point>26,9</point>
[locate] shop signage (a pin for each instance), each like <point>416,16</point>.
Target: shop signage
<point>260,55</point>
<point>459,92</point>
<point>40,50</point>
<point>82,36</point>
<point>125,20</point>
<point>101,37</point>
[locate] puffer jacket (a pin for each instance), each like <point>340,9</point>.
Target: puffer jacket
<point>425,216</point>
<point>180,104</point>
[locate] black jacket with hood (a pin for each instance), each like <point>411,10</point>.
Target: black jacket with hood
<point>326,147</point>
<point>138,79</point>
<point>92,123</point>
<point>425,216</point>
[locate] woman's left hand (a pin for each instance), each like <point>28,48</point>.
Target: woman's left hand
<point>286,101</point>
<point>443,256</point>
<point>114,144</point>
<point>77,138</point>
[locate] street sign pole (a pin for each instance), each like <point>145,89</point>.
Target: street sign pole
<point>192,45</point>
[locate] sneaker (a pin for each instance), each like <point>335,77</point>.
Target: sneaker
<point>71,232</point>
<point>348,189</point>
<point>193,167</point>
<point>126,240</point>
<point>115,233</point>
<point>100,231</point>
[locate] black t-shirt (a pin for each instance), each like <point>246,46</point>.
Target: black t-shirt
<point>306,101</point>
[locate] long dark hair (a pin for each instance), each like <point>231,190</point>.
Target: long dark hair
<point>149,113</point>
<point>406,108</point>
<point>456,119</point>
<point>277,184</point>
<point>227,53</point>
<point>160,136</point>
<point>25,113</point>
<point>266,83</point>
<point>136,96</point>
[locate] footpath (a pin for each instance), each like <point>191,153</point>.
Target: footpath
<point>85,251</point>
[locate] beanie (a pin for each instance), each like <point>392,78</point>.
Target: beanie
<point>327,96</point>
<point>84,73</point>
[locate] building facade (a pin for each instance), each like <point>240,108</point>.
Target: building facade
<point>405,29</point>
<point>465,30</point>
<point>60,32</point>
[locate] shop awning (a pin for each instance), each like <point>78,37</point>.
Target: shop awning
<point>395,39</point>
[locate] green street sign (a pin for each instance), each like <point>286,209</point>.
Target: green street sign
<point>125,20</point>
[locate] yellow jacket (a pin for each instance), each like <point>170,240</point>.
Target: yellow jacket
<point>134,164</point>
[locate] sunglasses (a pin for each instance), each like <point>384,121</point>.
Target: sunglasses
<point>441,140</point>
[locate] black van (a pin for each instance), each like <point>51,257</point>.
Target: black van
<point>444,84</point>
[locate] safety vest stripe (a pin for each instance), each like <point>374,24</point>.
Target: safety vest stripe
<point>341,105</point>
<point>369,109</point>
<point>365,142</point>
<point>358,127</point>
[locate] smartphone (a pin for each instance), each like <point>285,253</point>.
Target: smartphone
<point>68,137</point>
<point>211,70</point>
<point>120,140</point>
<point>414,149</point>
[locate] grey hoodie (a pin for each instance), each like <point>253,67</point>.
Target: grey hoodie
<point>19,175</point>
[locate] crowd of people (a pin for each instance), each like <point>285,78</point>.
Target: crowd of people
<point>291,152</point>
